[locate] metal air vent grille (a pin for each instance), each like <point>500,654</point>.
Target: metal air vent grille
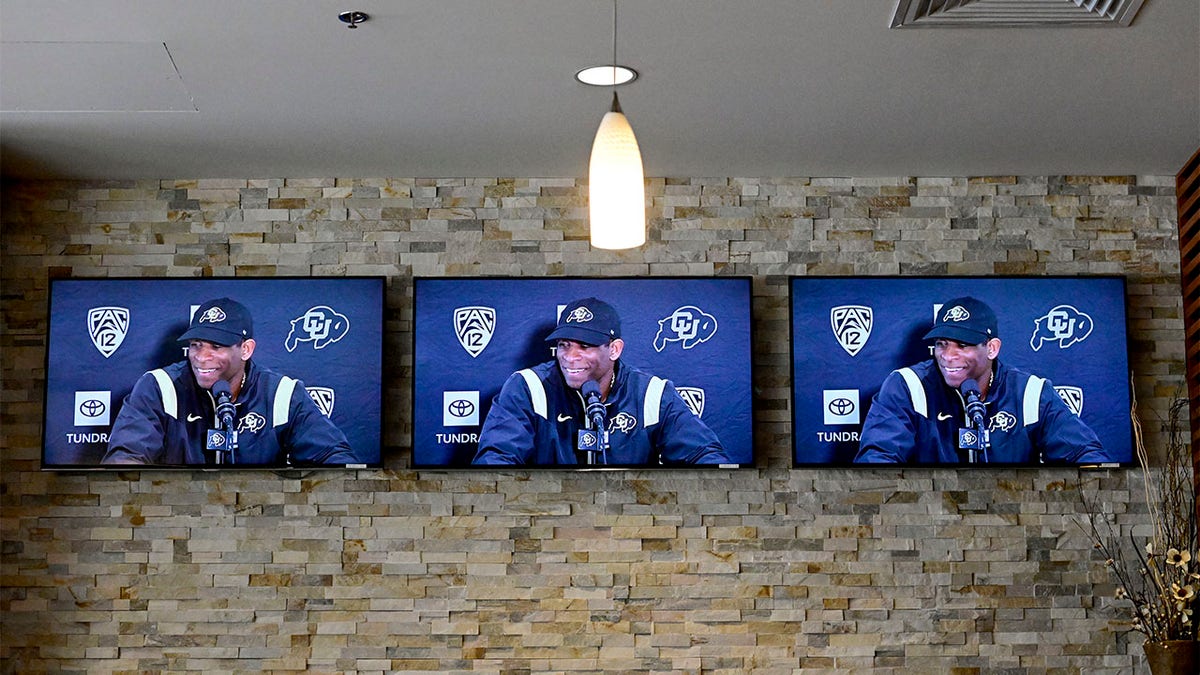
<point>977,13</point>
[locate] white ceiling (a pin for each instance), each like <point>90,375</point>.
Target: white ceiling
<point>451,88</point>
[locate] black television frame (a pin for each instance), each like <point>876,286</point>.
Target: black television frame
<point>802,408</point>
<point>525,355</point>
<point>162,352</point>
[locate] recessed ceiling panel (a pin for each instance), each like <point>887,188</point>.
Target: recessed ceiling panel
<point>91,77</point>
<point>976,13</point>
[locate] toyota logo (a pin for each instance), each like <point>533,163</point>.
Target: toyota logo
<point>92,408</point>
<point>461,408</point>
<point>841,406</point>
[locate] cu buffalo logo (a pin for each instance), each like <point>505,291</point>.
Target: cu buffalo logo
<point>851,326</point>
<point>108,327</point>
<point>323,397</point>
<point>622,422</point>
<point>1002,421</point>
<point>956,314</point>
<point>969,438</point>
<point>579,315</point>
<point>687,325</point>
<point>474,327</point>
<point>252,423</point>
<point>1064,324</point>
<point>212,315</point>
<point>320,325</point>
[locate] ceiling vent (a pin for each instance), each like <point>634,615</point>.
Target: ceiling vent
<point>985,13</point>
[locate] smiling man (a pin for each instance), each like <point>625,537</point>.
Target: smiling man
<point>539,416</point>
<point>166,418</point>
<point>918,413</point>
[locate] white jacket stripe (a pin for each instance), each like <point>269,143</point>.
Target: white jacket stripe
<point>282,403</point>
<point>653,401</point>
<point>915,391</point>
<point>166,389</point>
<point>537,393</point>
<point>1030,403</point>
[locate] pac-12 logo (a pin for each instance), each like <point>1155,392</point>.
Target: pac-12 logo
<point>474,327</point>
<point>1072,396</point>
<point>108,327</point>
<point>688,325</point>
<point>852,326</point>
<point>323,397</point>
<point>694,398</point>
<point>1064,324</point>
<point>320,325</point>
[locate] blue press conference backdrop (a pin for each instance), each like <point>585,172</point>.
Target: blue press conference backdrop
<point>472,333</point>
<point>104,333</point>
<point>848,333</point>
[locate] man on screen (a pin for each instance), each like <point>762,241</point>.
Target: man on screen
<point>170,415</point>
<point>924,414</point>
<point>542,415</point>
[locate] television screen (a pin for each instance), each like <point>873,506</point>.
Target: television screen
<point>670,359</point>
<point>957,370</point>
<point>270,373</point>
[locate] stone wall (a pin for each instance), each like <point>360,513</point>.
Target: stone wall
<point>759,570</point>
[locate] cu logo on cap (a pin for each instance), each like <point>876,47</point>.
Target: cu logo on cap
<point>461,408</point>
<point>579,315</point>
<point>212,315</point>
<point>841,406</point>
<point>92,408</point>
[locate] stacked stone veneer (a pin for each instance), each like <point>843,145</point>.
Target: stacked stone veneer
<point>761,570</point>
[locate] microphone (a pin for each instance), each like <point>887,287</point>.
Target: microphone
<point>595,408</point>
<point>974,397</point>
<point>225,409</point>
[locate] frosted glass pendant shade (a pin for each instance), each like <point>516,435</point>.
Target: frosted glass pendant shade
<point>616,191</point>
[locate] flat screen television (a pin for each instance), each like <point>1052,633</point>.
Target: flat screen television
<point>471,335</point>
<point>850,333</point>
<point>321,336</point>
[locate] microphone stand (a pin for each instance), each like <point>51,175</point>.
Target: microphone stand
<point>595,413</point>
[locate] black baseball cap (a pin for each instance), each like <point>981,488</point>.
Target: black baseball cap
<point>590,321</point>
<point>965,320</point>
<point>222,322</point>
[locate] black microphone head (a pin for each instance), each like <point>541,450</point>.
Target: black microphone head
<point>590,389</point>
<point>969,387</point>
<point>221,387</point>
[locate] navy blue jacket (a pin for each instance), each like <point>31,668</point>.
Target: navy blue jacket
<point>165,419</point>
<point>536,418</point>
<point>915,418</point>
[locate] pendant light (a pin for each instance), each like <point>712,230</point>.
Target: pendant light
<point>616,190</point>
